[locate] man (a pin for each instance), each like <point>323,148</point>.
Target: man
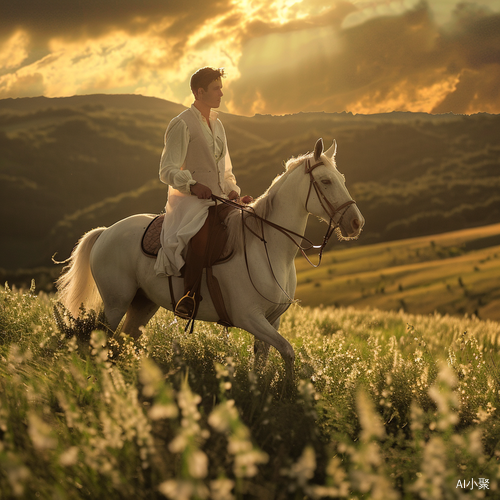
<point>195,164</point>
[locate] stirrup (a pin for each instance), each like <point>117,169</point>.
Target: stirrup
<point>187,309</point>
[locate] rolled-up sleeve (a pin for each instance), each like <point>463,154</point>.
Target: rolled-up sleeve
<point>173,157</point>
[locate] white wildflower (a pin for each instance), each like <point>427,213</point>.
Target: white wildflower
<point>338,478</point>
<point>98,341</point>
<point>72,344</point>
<point>151,377</point>
<point>370,421</point>
<point>40,433</point>
<point>417,417</point>
<point>159,411</point>
<point>444,397</point>
<point>183,490</point>
<point>220,489</point>
<point>17,475</point>
<point>239,443</point>
<point>221,417</point>
<point>475,443</point>
<point>302,471</point>
<point>178,444</point>
<point>69,457</point>
<point>430,483</point>
<point>112,431</point>
<point>245,464</point>
<point>224,418</point>
<point>198,464</point>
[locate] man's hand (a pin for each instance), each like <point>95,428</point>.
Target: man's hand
<point>233,196</point>
<point>201,191</point>
<point>246,199</point>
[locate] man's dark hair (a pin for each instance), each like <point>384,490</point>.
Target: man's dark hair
<point>204,77</point>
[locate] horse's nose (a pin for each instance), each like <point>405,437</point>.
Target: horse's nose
<point>356,224</point>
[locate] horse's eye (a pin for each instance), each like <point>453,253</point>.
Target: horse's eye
<point>326,181</point>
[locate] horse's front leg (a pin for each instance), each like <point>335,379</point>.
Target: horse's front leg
<point>265,336</point>
<point>261,352</point>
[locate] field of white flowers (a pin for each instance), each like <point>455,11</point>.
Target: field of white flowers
<point>388,406</point>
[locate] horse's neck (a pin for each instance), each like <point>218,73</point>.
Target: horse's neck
<point>287,211</point>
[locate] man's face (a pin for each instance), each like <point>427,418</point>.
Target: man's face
<point>213,95</point>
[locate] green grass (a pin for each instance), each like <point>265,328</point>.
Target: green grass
<point>453,273</point>
<point>388,405</point>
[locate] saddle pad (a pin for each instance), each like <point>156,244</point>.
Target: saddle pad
<point>150,243</point>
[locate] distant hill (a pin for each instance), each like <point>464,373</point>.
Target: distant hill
<point>70,164</point>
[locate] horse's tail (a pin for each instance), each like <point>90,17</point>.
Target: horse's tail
<point>76,284</point>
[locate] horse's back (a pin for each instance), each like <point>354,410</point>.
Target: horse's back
<point>130,229</point>
<point>119,246</point>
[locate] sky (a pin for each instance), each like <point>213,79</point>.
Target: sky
<point>280,56</point>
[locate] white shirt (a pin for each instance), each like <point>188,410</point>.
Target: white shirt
<point>176,145</point>
<point>185,213</point>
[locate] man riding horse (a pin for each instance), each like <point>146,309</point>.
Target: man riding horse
<point>195,164</point>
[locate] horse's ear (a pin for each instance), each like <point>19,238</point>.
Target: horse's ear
<point>332,151</point>
<point>318,149</point>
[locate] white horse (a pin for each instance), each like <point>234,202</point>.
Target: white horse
<point>257,284</point>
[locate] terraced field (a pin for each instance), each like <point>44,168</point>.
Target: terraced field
<point>453,273</point>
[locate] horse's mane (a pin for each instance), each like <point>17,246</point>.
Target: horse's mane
<point>264,203</point>
<point>261,206</point>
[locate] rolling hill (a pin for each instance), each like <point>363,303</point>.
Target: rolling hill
<point>70,164</point>
<point>453,273</point>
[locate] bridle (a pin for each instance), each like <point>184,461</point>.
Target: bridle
<point>329,209</point>
<point>332,225</point>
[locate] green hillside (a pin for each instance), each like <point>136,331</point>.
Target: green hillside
<point>453,273</point>
<point>70,164</point>
<point>66,160</point>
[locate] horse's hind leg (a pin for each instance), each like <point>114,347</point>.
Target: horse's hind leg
<point>114,314</point>
<point>139,312</point>
<point>115,304</point>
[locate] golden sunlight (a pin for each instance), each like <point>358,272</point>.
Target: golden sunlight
<point>421,99</point>
<point>287,10</point>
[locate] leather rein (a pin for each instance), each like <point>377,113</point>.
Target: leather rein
<point>325,204</point>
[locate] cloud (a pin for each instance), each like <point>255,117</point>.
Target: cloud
<point>94,18</point>
<point>152,34</point>
<point>14,51</point>
<point>472,44</point>
<point>21,85</point>
<point>101,47</point>
<point>474,91</point>
<point>396,62</point>
<point>281,56</point>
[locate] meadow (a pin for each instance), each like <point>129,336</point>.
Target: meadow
<point>388,405</point>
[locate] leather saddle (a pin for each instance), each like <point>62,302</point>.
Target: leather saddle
<point>217,251</point>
